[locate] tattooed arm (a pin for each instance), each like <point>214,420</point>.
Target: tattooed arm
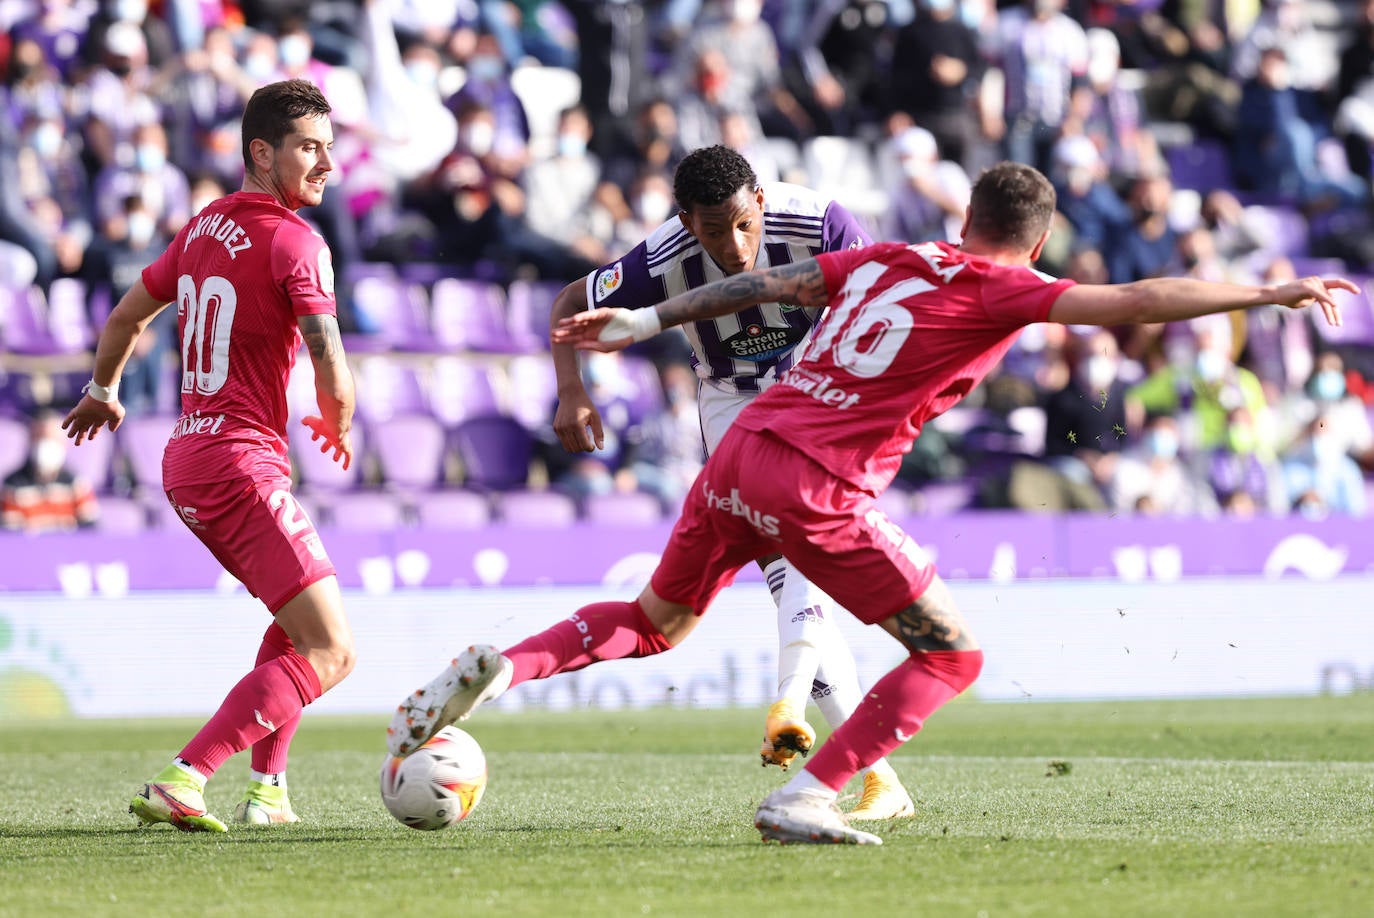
<point>800,284</point>
<point>333,386</point>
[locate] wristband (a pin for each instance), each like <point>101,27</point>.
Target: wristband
<point>635,324</point>
<point>101,393</point>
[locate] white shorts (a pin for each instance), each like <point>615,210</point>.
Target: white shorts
<point>718,411</point>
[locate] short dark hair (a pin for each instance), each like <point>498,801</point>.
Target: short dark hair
<point>272,110</point>
<point>1011,204</point>
<point>711,176</point>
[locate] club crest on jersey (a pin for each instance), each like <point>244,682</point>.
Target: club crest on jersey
<point>609,281</point>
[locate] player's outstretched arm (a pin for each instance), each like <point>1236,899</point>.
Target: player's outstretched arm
<point>1169,299</point>
<point>576,420</point>
<point>801,284</point>
<point>99,405</point>
<point>333,387</point>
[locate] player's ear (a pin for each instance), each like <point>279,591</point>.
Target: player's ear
<point>1040,246</point>
<point>686,219</point>
<point>968,219</point>
<point>260,151</point>
<point>758,197</point>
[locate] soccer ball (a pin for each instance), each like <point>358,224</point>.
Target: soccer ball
<point>437,784</point>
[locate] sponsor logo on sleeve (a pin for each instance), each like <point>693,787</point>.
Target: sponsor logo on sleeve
<point>326,266</point>
<point>608,281</point>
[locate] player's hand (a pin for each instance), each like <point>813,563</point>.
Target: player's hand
<point>339,443</point>
<point>85,420</point>
<point>1305,290</point>
<point>578,424</point>
<point>607,329</point>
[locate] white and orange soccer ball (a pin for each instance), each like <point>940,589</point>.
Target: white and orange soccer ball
<point>438,784</point>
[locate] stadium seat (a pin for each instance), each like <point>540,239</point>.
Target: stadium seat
<point>633,508</point>
<point>533,390</point>
<point>69,316</point>
<point>391,314</point>
<point>365,511</point>
<point>459,388</point>
<point>529,304</point>
<point>944,498</point>
<point>470,315</point>
<point>1279,229</point>
<point>93,460</point>
<point>544,92</point>
<point>318,472</point>
<point>410,451</point>
<point>1357,318</point>
<point>495,451</point>
<point>121,515</point>
<point>388,388</point>
<point>1203,165</point>
<point>537,509</point>
<point>451,508</point>
<point>141,443</point>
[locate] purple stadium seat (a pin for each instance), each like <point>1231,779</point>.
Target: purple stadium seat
<point>318,471</point>
<point>14,444</point>
<point>387,388</point>
<point>24,324</point>
<point>141,442</point>
<point>93,460</point>
<point>529,305</point>
<point>451,508</point>
<point>392,314</point>
<point>123,515</point>
<point>943,498</point>
<point>644,393</point>
<point>470,315</point>
<point>410,451</point>
<point>896,502</point>
<point>634,508</point>
<point>68,315</point>
<point>366,511</point>
<point>1279,229</point>
<point>1304,266</point>
<point>161,513</point>
<point>495,452</point>
<point>459,388</point>
<point>537,509</point>
<point>533,389</point>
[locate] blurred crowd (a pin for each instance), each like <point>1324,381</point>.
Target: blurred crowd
<point>529,141</point>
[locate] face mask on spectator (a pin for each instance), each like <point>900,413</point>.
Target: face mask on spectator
<point>1162,444</point>
<point>294,51</point>
<point>653,206</point>
<point>149,157</point>
<point>478,137</point>
<point>1097,371</point>
<point>423,74</point>
<point>1211,365</point>
<point>746,11</point>
<point>48,456</point>
<point>130,10</point>
<point>1328,385</point>
<point>259,66</point>
<point>141,228</point>
<point>47,140</point>
<point>485,67</point>
<point>571,145</point>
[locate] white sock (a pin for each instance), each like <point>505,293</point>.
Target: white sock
<point>190,770</point>
<point>276,780</point>
<point>806,783</point>
<point>800,623</point>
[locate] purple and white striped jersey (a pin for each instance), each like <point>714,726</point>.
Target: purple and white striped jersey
<point>745,352</point>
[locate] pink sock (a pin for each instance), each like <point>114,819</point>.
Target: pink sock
<point>270,753</point>
<point>601,631</point>
<point>892,712</point>
<point>271,694</point>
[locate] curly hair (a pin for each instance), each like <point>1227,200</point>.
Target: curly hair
<point>272,109</point>
<point>711,175</point>
<point>1011,204</point>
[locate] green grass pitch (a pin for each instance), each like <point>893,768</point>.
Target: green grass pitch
<point>1220,807</point>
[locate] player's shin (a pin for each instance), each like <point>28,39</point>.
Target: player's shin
<point>893,711</point>
<point>601,631</point>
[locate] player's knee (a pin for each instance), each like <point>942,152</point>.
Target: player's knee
<point>333,663</point>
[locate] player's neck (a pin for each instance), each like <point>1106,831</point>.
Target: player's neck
<point>994,253</point>
<point>255,184</point>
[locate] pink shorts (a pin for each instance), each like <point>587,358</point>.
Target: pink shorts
<point>258,532</point>
<point>758,496</point>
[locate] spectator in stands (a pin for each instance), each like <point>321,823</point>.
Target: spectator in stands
<point>561,188</point>
<point>709,93</point>
<point>157,35</point>
<point>44,198</point>
<point>203,91</point>
<point>650,203</point>
<point>538,29</point>
<point>1146,245</point>
<point>130,241</point>
<point>1326,397</point>
<point>933,193</point>
<point>1321,477</point>
<point>488,84</point>
<point>1245,478</point>
<point>1189,80</point>
<point>1284,25</point>
<point>158,183</point>
<point>1086,421</point>
<point>44,495</point>
<point>612,60</point>
<point>1278,127</point>
<point>118,97</point>
<point>1041,52</point>
<point>837,72</point>
<point>935,71</point>
<point>1205,391</point>
<point>656,145</point>
<point>1152,478</point>
<point>1086,198</point>
<point>1353,97</point>
<point>59,31</point>
<point>33,86</point>
<point>1109,114</point>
